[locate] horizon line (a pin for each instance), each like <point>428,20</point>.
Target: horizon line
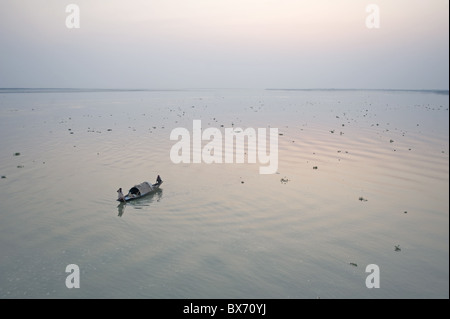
<point>79,89</point>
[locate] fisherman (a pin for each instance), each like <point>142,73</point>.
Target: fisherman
<point>158,180</point>
<point>121,197</point>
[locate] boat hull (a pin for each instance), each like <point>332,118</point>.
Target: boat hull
<point>128,198</point>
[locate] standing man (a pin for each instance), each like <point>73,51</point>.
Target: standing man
<point>121,197</point>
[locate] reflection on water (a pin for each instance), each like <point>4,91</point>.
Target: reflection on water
<point>139,203</point>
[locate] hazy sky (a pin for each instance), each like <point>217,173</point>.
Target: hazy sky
<point>225,43</point>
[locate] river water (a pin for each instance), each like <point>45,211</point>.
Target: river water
<point>362,179</point>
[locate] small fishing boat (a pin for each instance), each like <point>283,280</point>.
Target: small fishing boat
<point>138,191</point>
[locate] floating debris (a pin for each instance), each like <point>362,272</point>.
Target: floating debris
<point>17,154</point>
<point>20,166</point>
<point>109,130</point>
<point>284,180</point>
<point>362,199</point>
<point>397,248</point>
<point>354,264</point>
<point>3,176</point>
<point>315,167</point>
<point>332,131</point>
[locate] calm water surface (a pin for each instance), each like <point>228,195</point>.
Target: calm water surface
<point>224,230</point>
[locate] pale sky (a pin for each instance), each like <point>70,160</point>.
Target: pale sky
<point>177,44</point>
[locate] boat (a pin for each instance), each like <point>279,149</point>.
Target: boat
<point>139,191</point>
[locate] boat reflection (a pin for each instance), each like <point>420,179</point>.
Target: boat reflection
<point>140,203</point>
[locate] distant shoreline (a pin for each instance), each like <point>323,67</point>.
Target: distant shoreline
<point>97,90</point>
<point>444,92</point>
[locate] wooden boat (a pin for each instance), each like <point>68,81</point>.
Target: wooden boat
<point>138,191</point>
